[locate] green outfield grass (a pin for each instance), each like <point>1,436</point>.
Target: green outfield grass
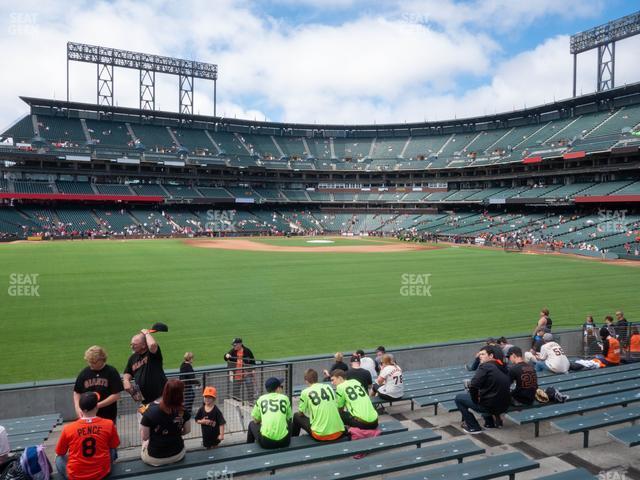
<point>282,304</point>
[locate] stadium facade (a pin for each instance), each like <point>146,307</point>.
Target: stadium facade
<point>565,174</point>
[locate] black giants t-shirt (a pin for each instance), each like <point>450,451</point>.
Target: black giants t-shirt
<point>526,382</point>
<point>210,432</point>
<point>147,371</point>
<point>166,431</point>
<point>105,382</point>
<point>362,375</point>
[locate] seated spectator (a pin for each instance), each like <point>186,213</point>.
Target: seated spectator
<point>87,447</point>
<point>270,426</point>
<point>610,355</point>
<point>380,351</point>
<point>368,364</point>
<point>210,419</point>
<point>389,385</point>
<point>488,393</point>
<point>473,366</point>
<point>360,374</point>
<point>537,341</point>
<point>338,364</point>
<point>356,409</point>
<point>162,426</point>
<point>504,344</point>
<point>318,414</point>
<point>551,357</point>
<point>525,378</point>
<point>4,445</point>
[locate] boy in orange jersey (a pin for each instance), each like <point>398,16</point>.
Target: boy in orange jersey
<point>87,446</point>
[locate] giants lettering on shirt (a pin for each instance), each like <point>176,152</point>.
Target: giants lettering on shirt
<point>140,363</point>
<point>96,382</point>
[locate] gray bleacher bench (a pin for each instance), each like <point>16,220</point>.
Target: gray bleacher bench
<point>388,462</point>
<point>492,467</point>
<point>234,452</point>
<point>286,458</point>
<point>574,474</point>
<point>550,412</point>
<point>584,424</point>
<point>630,436</point>
<point>9,423</point>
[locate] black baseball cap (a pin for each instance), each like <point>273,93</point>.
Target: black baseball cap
<point>272,383</point>
<point>236,341</point>
<point>355,359</point>
<point>88,401</point>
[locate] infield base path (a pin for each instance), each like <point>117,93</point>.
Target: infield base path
<point>249,245</point>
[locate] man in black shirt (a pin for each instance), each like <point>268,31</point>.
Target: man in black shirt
<point>488,392</point>
<point>524,374</point>
<point>356,372</point>
<point>100,378</point>
<point>145,366</point>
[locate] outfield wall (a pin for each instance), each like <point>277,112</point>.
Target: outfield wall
<point>55,396</point>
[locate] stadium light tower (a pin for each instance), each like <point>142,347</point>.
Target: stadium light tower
<point>604,37</point>
<point>107,58</point>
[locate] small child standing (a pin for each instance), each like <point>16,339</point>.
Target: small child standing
<point>210,419</point>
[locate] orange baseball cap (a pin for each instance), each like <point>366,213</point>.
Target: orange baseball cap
<point>210,392</point>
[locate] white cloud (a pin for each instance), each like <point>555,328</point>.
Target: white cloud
<point>386,67</point>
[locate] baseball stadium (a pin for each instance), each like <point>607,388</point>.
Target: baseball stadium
<point>300,240</point>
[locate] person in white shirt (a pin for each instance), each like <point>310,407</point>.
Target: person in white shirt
<point>388,386</point>
<point>4,445</point>
<point>551,356</point>
<point>367,363</point>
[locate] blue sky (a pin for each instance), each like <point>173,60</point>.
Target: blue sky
<point>325,61</point>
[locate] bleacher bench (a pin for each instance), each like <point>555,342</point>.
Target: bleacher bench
<point>492,467</point>
<point>388,462</point>
<point>550,412</point>
<point>630,436</point>
<point>294,458</point>
<point>234,452</point>
<point>574,474</point>
<point>584,424</point>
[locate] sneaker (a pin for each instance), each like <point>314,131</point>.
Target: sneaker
<point>470,430</point>
<point>490,424</point>
<point>497,419</point>
<point>560,398</point>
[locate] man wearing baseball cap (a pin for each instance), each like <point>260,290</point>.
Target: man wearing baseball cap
<point>210,419</point>
<point>272,415</point>
<point>87,446</point>
<point>238,357</point>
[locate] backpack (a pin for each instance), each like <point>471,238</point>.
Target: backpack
<point>35,464</point>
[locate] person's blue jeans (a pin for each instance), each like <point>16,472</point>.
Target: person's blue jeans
<point>464,403</point>
<point>61,463</point>
<point>541,366</point>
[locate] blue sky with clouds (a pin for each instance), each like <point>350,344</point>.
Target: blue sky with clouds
<point>325,61</point>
